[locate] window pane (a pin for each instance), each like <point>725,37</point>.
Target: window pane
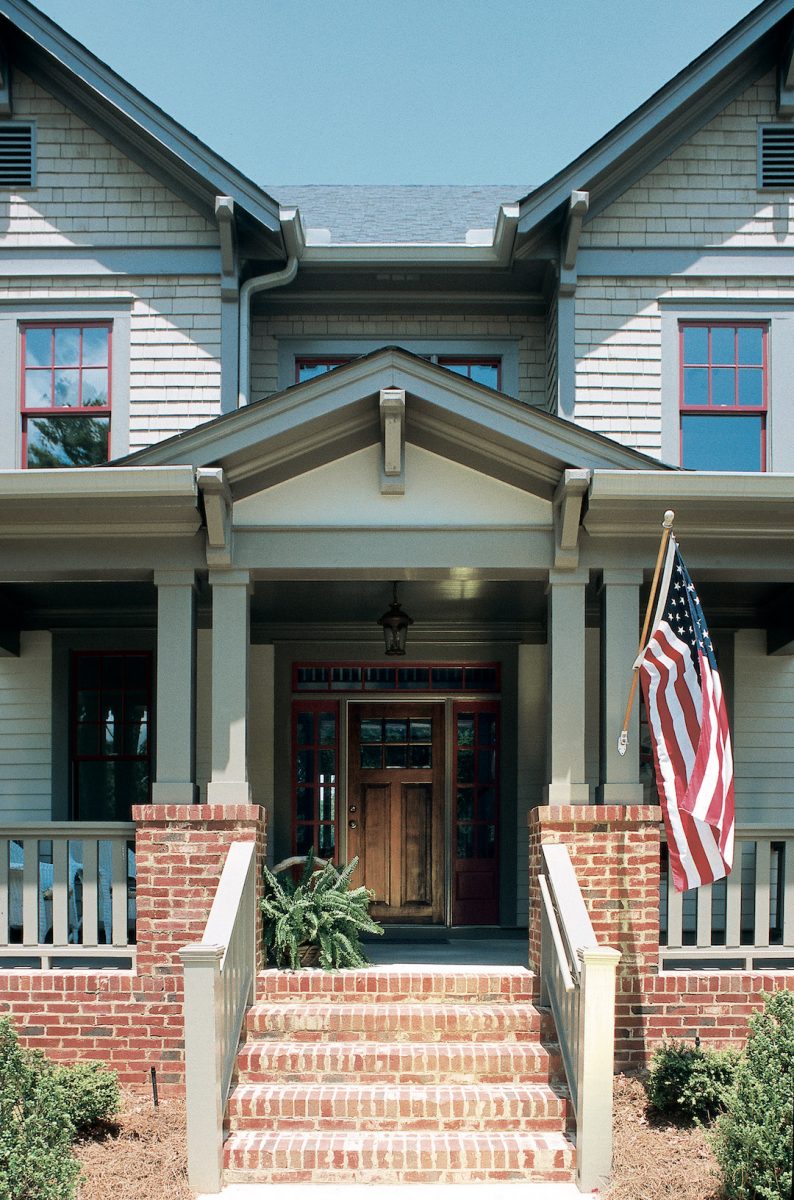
<point>421,757</point>
<point>487,373</point>
<point>113,674</point>
<point>486,804</point>
<point>327,729</point>
<point>345,678</point>
<point>486,841</point>
<point>396,756</point>
<point>95,347</point>
<point>304,839</point>
<point>136,736</point>
<point>696,385</point>
<point>465,731</point>
<point>327,802</point>
<point>87,706</point>
<point>413,679</point>
<point>88,739</point>
<point>305,766</point>
<point>136,672</point>
<point>465,841</point>
<point>95,388</point>
<point>723,387</point>
<point>304,803</point>
<point>466,766</point>
<point>38,347</point>
<point>465,804</point>
<point>88,670</point>
<point>723,344</point>
<point>459,368</point>
<point>304,729</point>
<point>67,389</point>
<point>372,757</point>
<point>751,347</point>
<point>38,389</point>
<point>67,441</point>
<point>421,731</point>
<point>448,677</point>
<point>327,846</point>
<point>327,765</point>
<point>371,731</point>
<point>67,347</point>
<point>487,730</point>
<point>106,791</point>
<point>396,731</point>
<point>379,679</point>
<point>486,764</point>
<point>481,679</point>
<point>721,443</point>
<point>751,387</point>
<point>696,344</point>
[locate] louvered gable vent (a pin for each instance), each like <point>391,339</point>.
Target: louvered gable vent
<point>16,154</point>
<point>777,156</point>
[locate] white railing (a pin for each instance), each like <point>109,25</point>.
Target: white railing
<point>743,922</point>
<point>220,972</point>
<point>578,985</point>
<point>67,892</point>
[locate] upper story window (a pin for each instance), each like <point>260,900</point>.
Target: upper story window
<point>487,371</point>
<point>723,395</point>
<point>65,393</point>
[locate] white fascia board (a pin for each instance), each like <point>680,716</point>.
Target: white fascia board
<point>133,106</point>
<point>98,483</point>
<point>638,127</point>
<point>662,486</point>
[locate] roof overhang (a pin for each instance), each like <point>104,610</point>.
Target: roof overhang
<point>335,414</point>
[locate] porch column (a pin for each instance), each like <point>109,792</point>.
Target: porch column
<point>175,774</point>
<point>230,649</point>
<point>566,631</point>
<point>620,630</point>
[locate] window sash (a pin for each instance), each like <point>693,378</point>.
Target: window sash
<point>723,375</point>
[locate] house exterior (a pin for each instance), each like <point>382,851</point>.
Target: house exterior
<point>299,396</point>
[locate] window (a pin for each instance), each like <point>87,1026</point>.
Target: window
<point>480,370</point>
<point>66,371</point>
<point>111,715</point>
<point>310,368</point>
<point>315,754</point>
<point>723,395</point>
<point>485,369</point>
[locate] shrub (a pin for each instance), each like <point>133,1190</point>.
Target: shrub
<point>323,911</point>
<point>90,1092</point>
<point>690,1082</point>
<point>36,1162</point>
<point>752,1141</point>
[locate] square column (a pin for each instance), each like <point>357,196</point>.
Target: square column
<point>620,631</point>
<point>175,772</point>
<point>566,737</point>
<point>230,650</point>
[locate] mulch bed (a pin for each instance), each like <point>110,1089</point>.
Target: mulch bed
<point>139,1155</point>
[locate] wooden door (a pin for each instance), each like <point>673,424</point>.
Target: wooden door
<point>395,808</point>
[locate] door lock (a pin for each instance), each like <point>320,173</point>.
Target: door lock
<point>352,808</point>
<point>352,824</point>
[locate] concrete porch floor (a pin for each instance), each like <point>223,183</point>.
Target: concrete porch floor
<point>494,950</point>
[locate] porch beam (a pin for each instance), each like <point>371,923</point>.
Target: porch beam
<point>176,688</point>
<point>620,628</point>
<point>231,622</point>
<point>567,783</point>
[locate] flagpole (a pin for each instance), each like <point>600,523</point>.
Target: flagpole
<point>667,526</point>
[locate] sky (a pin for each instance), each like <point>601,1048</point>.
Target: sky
<point>397,91</point>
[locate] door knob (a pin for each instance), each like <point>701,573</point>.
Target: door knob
<point>352,824</point>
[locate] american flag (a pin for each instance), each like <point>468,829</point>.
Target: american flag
<point>689,731</point>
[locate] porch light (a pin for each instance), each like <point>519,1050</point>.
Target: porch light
<point>395,626</point>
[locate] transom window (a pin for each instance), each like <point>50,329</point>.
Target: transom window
<point>487,371</point>
<point>723,391</point>
<point>358,677</point>
<point>65,394</point>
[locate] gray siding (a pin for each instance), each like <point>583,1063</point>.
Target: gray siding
<point>26,731</point>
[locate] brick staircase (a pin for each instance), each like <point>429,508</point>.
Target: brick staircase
<point>397,1075</point>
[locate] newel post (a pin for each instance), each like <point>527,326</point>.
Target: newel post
<point>203,1066</point>
<point>596,1064</point>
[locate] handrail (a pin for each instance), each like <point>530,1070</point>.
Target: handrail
<point>220,972</point>
<point>578,985</point>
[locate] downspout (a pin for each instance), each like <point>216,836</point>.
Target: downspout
<point>293,240</point>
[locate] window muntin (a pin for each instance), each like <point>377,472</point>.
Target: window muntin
<point>66,393</point>
<point>110,735</point>
<point>723,395</point>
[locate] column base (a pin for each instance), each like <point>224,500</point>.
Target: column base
<point>567,793</point>
<point>229,791</point>
<point>174,793</point>
<point>621,793</point>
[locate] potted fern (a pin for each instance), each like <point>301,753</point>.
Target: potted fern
<point>317,921</point>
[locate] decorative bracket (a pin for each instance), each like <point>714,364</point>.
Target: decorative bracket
<point>217,499</point>
<point>578,205</point>
<point>568,501</point>
<point>785,79</point>
<point>392,433</point>
<point>224,214</point>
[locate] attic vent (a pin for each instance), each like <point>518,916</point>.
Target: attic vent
<point>16,154</point>
<point>777,156</point>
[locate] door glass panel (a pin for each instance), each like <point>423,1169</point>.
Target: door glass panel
<point>466,766</point>
<point>327,765</point>
<point>486,804</point>
<point>465,841</point>
<point>327,802</point>
<point>421,756</point>
<point>421,731</point>
<point>304,730</point>
<point>305,763</point>
<point>486,766</point>
<point>304,803</point>
<point>486,841</point>
<point>303,839</point>
<point>396,731</point>
<point>372,757</point>
<point>371,731</point>
<point>327,841</point>
<point>465,804</point>
<point>465,731</point>
<point>396,756</point>
<point>487,728</point>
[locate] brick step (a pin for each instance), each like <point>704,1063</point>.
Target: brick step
<point>376,1021</point>
<point>383,1157</point>
<point>513,1107</point>
<point>400,1062</point>
<point>392,984</point>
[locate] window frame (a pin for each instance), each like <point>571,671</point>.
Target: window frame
<point>715,411</point>
<point>70,412</point>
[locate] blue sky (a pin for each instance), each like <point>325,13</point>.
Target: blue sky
<point>397,91</point>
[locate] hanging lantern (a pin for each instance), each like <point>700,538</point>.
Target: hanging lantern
<point>395,626</point>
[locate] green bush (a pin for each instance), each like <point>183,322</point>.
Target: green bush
<point>90,1092</point>
<point>690,1082</point>
<point>36,1161</point>
<point>752,1140</point>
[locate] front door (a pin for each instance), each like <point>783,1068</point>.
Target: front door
<point>395,801</point>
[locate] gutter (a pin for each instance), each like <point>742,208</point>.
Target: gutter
<point>293,240</point>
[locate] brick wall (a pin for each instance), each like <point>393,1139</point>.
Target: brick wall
<point>615,853</point>
<point>133,1019</point>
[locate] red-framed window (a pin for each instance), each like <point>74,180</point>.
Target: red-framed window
<point>110,733</point>
<point>315,776</point>
<point>424,677</point>
<point>475,787</point>
<point>310,368</point>
<point>723,395</point>
<point>487,371</point>
<point>65,393</point>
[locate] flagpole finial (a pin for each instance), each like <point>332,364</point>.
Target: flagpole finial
<point>623,742</point>
<point>667,520</point>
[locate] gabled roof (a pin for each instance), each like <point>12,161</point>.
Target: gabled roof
<point>132,122</point>
<point>332,415</point>
<point>365,213</point>
<point>673,114</point>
